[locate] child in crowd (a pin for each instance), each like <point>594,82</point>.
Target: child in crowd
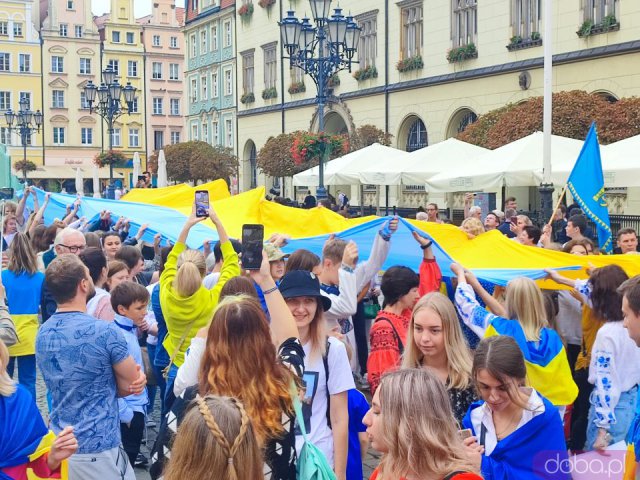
<point>129,300</point>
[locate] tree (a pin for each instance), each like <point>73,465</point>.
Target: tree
<point>24,166</point>
<point>199,161</point>
<point>275,157</point>
<point>366,135</point>
<point>573,113</point>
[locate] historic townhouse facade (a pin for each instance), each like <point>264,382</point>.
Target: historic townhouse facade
<point>210,76</point>
<point>164,74</point>
<point>428,69</point>
<point>20,72</point>
<point>71,58</point>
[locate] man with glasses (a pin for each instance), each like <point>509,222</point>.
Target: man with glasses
<point>67,240</point>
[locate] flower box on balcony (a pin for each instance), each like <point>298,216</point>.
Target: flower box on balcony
<point>411,63</point>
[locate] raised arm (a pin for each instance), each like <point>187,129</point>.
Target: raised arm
<point>283,326</point>
<point>230,265</point>
<point>21,206</point>
<point>473,315</point>
<point>430,274</point>
<point>490,301</point>
<point>379,252</point>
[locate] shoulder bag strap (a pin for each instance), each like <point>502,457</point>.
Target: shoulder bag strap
<point>325,362</point>
<point>165,370</point>
<point>395,333</point>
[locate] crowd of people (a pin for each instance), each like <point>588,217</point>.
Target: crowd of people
<point>308,361</point>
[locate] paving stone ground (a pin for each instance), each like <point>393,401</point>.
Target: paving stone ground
<point>370,462</point>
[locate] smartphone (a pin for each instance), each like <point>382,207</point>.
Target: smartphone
<point>6,193</point>
<point>514,220</point>
<point>202,203</point>
<point>252,240</point>
<point>465,433</point>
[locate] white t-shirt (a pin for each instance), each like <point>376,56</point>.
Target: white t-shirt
<point>314,406</point>
<point>569,318</point>
<point>188,372</point>
<point>211,279</point>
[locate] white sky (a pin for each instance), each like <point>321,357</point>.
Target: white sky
<point>140,7</point>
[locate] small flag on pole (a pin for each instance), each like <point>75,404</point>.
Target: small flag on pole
<point>586,184</point>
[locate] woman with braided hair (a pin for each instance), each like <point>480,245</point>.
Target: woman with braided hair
<point>215,440</point>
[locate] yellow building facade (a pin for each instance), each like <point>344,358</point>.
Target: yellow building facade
<point>20,73</point>
<point>123,51</point>
<point>427,69</point>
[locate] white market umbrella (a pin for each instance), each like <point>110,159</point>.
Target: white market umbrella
<point>136,169</point>
<point>162,170</point>
<point>96,182</point>
<point>517,164</point>
<point>346,170</point>
<point>79,182</point>
<point>621,163</point>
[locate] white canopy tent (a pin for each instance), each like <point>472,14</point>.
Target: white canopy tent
<point>162,170</point>
<point>79,182</point>
<point>136,169</point>
<point>346,170</point>
<point>517,164</point>
<point>621,163</point>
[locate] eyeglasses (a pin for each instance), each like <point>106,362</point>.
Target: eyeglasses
<point>73,248</point>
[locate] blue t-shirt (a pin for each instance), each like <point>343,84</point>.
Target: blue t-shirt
<point>76,354</point>
<point>358,407</point>
<point>23,291</point>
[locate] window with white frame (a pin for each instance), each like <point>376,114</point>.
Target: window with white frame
<point>175,138</point>
<point>79,31</point>
<point>194,131</point>
<point>248,71</point>
<point>216,133</point>
<point>157,105</point>
<point>115,36</point>
<point>130,38</point>
<point>194,90</point>
<point>5,136</point>
<point>411,33</point>
<point>4,28</point>
<point>17,29</point>
<point>175,106</point>
<point>203,41</point>
<point>296,74</point>
<point>5,100</point>
<point>228,128</point>
<point>86,135</point>
<point>84,104</point>
<point>57,99</point>
<point>227,33</point>
<point>156,40</point>
<point>25,62</point>
<point>132,68</point>
<point>228,83</point>
<point>270,65</point>
<point>173,42</point>
<point>368,46</point>
<point>115,66</point>
<point>204,128</point>
<point>525,17</point>
<point>214,84</point>
<point>57,64</point>
<point>85,66</point>
<point>58,135</point>
<point>214,37</point>
<point>69,4</point>
<point>465,22</point>
<point>194,46</point>
<point>116,139</point>
<point>597,10</point>
<point>203,88</point>
<point>156,68</point>
<point>26,96</point>
<point>174,69</point>
<point>5,62</point>
<point>134,137</point>
<point>64,29</point>
<point>134,106</point>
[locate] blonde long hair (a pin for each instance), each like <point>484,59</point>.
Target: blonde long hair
<point>524,303</point>
<point>22,258</point>
<point>191,270</point>
<point>215,440</point>
<point>459,361</point>
<point>7,385</point>
<point>420,432</point>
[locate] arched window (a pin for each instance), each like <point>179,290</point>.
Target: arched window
<point>468,118</point>
<point>417,136</point>
<point>253,167</point>
<point>460,120</point>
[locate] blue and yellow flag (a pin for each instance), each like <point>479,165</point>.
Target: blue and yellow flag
<point>586,184</point>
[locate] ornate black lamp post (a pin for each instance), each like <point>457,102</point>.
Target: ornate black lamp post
<point>26,123</point>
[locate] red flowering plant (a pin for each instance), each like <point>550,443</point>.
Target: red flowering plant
<point>246,10</point>
<point>109,157</point>
<point>308,146</point>
<point>266,3</point>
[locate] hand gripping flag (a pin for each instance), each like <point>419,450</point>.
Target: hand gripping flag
<point>586,184</point>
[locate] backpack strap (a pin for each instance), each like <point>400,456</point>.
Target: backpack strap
<point>451,475</point>
<point>325,363</point>
<point>395,333</point>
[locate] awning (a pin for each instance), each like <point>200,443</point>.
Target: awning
<point>63,172</point>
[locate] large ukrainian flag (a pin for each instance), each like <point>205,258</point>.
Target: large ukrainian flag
<point>548,369</point>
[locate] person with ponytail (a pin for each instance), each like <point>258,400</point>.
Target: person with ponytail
<point>98,306</point>
<point>216,440</point>
<point>186,304</point>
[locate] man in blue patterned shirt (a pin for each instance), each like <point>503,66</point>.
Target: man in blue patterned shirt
<point>86,365</point>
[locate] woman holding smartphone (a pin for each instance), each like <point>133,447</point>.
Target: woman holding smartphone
<point>518,432</point>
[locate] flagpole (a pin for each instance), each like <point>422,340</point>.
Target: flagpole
<point>553,213</point>
<point>546,187</point>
